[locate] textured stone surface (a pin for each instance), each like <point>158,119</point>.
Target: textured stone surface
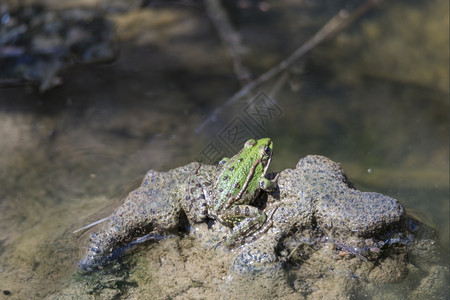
<point>315,199</point>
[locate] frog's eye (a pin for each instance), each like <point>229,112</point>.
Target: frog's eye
<point>267,150</point>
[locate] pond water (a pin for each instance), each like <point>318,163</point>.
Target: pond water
<point>374,98</point>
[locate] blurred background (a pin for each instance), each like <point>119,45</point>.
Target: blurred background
<point>94,93</point>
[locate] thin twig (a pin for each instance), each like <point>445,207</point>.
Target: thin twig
<point>90,225</point>
<point>331,28</point>
<point>278,85</point>
<point>230,38</point>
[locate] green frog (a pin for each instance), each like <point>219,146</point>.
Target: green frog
<point>239,181</point>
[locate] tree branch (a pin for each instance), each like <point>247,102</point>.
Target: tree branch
<point>330,29</point>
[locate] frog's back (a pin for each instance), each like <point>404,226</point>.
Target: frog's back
<point>238,175</point>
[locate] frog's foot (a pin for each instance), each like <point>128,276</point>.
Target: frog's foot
<point>252,227</point>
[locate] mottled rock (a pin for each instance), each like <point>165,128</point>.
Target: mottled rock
<point>318,201</point>
<point>340,208</point>
<point>153,206</point>
<point>314,200</point>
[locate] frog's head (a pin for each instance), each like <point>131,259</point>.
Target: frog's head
<point>263,148</point>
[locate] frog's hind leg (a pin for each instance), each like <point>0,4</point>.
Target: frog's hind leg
<point>252,227</point>
<point>263,229</point>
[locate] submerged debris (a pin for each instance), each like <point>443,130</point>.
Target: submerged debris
<point>36,43</point>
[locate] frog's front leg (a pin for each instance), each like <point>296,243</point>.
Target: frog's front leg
<point>245,220</point>
<point>268,185</point>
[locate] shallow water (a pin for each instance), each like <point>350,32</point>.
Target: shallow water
<point>375,99</point>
